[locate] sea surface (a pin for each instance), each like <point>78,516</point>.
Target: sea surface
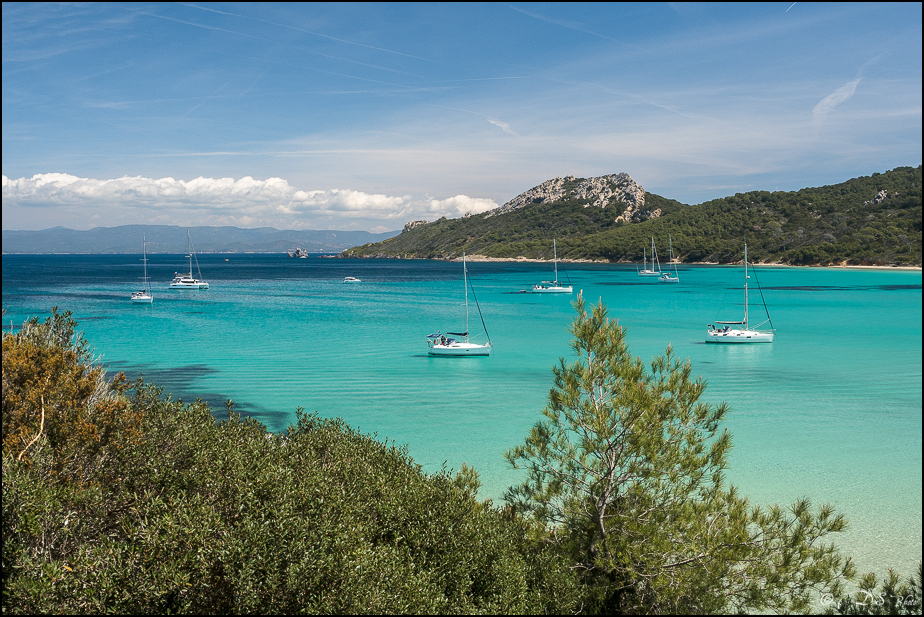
<point>831,410</point>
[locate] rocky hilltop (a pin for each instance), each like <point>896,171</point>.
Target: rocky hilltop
<point>565,207</point>
<point>618,190</point>
<point>599,192</point>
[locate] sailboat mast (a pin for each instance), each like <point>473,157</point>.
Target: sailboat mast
<point>189,250</point>
<point>144,249</point>
<point>670,248</point>
<point>745,286</point>
<point>555,254</point>
<point>465,284</point>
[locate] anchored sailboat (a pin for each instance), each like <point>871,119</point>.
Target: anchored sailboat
<point>553,287</point>
<point>443,344</point>
<point>667,277</point>
<point>646,271</point>
<point>720,332</point>
<point>187,281</point>
<point>144,296</point>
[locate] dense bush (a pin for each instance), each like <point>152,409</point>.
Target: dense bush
<point>175,512</point>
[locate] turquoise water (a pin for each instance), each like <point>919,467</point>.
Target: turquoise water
<point>830,410</point>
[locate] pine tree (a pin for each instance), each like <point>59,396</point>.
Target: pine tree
<point>628,470</point>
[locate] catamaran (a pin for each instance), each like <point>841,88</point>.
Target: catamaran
<point>144,296</point>
<point>646,271</point>
<point>552,287</point>
<point>667,277</point>
<point>720,332</point>
<point>187,281</point>
<point>443,344</point>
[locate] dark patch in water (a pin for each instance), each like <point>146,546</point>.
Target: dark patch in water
<point>173,380</point>
<point>179,384</point>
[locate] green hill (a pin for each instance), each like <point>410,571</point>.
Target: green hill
<point>871,220</point>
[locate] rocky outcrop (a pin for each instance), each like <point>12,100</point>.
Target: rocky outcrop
<point>299,252</point>
<point>412,224</point>
<point>880,197</point>
<point>635,215</point>
<point>599,191</point>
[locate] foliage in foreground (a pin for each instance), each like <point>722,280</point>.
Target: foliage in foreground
<point>156,508</point>
<point>628,466</point>
<point>126,502</point>
<point>892,597</point>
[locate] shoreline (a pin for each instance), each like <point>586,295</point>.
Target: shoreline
<point>482,258</point>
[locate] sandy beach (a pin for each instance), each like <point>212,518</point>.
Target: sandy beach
<point>692,263</point>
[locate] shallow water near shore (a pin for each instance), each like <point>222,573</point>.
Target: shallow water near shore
<point>830,410</point>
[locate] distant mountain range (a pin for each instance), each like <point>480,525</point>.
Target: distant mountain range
<point>172,239</point>
<point>870,220</point>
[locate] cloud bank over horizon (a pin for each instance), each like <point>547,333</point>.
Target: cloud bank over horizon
<point>53,199</point>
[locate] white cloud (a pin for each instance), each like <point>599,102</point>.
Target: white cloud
<point>63,199</point>
<point>460,205</point>
<point>503,126</point>
<point>825,105</point>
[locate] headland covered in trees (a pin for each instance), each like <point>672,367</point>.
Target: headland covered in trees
<point>117,498</point>
<point>870,221</point>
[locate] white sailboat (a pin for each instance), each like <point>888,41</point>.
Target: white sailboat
<point>187,281</point>
<point>667,277</point>
<point>144,296</point>
<point>553,287</point>
<point>445,345</point>
<point>720,332</point>
<point>646,271</point>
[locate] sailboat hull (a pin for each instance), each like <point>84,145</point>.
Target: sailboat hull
<point>184,284</point>
<point>460,349</point>
<point>737,337</point>
<point>552,289</point>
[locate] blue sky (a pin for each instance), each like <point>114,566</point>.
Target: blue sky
<point>366,116</point>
